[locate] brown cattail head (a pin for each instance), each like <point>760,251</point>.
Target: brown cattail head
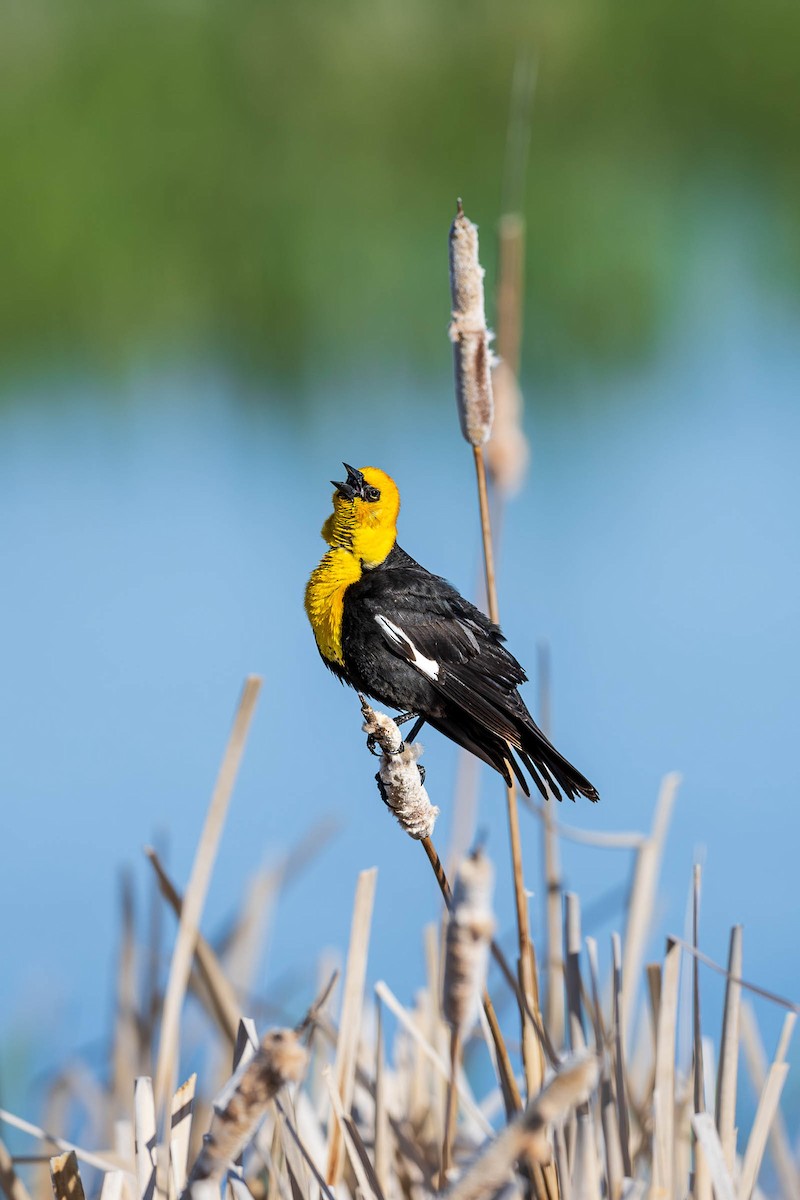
<point>399,777</point>
<point>468,333</point>
<point>241,1104</point>
<point>469,936</point>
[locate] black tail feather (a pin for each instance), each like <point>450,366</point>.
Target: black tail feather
<point>546,767</point>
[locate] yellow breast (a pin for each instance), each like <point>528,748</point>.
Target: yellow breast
<point>325,600</point>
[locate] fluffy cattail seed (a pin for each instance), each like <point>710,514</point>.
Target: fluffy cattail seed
<point>468,333</point>
<point>469,936</point>
<point>240,1106</point>
<point>400,779</point>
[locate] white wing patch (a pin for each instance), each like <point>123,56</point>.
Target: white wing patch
<point>428,666</point>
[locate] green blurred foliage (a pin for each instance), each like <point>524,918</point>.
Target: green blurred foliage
<point>272,182</point>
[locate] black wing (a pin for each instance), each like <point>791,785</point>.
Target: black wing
<point>428,624</point>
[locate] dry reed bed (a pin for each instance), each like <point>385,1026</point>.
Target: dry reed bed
<point>585,1100</point>
<point>334,1107</point>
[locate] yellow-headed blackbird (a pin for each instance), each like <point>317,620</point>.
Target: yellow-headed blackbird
<point>393,630</point>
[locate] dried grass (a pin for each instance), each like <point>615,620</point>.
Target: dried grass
<point>376,1129</point>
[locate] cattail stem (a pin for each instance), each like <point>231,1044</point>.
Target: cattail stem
<point>451,1108</point>
<point>486,534</point>
<point>470,338</point>
<point>531,1051</point>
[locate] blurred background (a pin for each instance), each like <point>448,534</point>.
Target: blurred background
<point>223,249</point>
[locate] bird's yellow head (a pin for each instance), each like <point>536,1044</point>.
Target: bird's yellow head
<point>364,517</point>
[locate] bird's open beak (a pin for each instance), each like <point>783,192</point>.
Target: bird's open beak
<point>354,485</point>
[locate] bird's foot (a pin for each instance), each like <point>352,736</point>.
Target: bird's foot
<point>382,789</point>
<point>406,716</point>
<point>374,747</point>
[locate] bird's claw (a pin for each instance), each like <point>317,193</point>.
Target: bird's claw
<point>374,747</point>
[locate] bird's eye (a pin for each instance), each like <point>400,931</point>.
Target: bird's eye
<point>371,494</point>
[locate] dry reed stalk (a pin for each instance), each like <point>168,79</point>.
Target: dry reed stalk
<point>585,1173</point>
<point>300,1188</point>
<point>382,1134</point>
<point>601,839</point>
<point>766,1113</point>
<point>533,1058</point>
<point>756,989</point>
<point>472,357</point>
<point>701,1184</point>
<point>125,1054</point>
<point>474,397</point>
<point>585,1180</point>
<point>780,1146</point>
<point>189,927</point>
<point>653,975</point>
<point>451,1108</point>
<point>99,1161</point>
<point>572,941</point>
<point>145,1137</point>
<point>244,1048</point>
<point>246,1043</point>
<point>623,1117</point>
<point>526,1134</point>
<point>411,1026</point>
<point>554,998</point>
<point>346,1131</point>
<point>223,1003</point>
<point>727,1069</point>
<point>350,1023</point>
<point>708,1138</point>
<point>301,1146</point>
<point>180,1133</point>
<point>608,1112</point>
<point>240,1107</point>
<point>697,1035</point>
<point>399,777</point>
<point>66,1178</point>
<point>113,1186</point>
<point>562,1164</point>
<point>664,1091</point>
<point>554,1001</point>
<point>237,1189</point>
<point>12,1186</point>
<point>643,892</point>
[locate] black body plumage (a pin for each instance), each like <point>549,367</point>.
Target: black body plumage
<point>411,641</point>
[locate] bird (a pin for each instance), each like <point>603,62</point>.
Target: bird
<point>407,638</point>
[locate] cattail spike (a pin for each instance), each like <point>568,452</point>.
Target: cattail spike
<point>240,1107</point>
<point>469,334</point>
<point>469,935</point>
<point>400,778</point>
